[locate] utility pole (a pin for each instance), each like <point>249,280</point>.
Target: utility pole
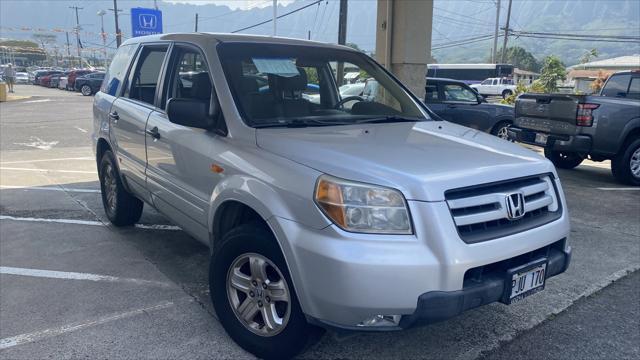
<point>506,34</point>
<point>342,37</point>
<point>494,55</point>
<point>68,45</point>
<point>78,43</point>
<point>275,16</point>
<point>155,4</point>
<point>196,30</point>
<point>115,13</point>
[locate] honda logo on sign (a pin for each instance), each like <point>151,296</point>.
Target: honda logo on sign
<point>515,206</point>
<point>147,21</point>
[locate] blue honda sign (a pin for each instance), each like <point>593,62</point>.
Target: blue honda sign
<point>145,22</point>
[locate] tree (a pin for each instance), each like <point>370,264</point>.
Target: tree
<point>521,58</point>
<point>553,70</point>
<point>586,57</point>
<point>598,83</point>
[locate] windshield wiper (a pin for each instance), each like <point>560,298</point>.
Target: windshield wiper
<point>299,123</point>
<point>389,119</point>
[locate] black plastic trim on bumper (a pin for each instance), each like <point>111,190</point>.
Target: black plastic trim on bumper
<point>436,306</point>
<point>574,143</point>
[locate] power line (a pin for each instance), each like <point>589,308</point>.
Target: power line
<point>592,36</point>
<point>278,17</point>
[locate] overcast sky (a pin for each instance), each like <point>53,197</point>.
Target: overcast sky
<point>235,4</point>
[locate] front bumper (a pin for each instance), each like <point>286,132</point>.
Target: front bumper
<point>441,305</point>
<point>342,279</point>
<point>569,143</point>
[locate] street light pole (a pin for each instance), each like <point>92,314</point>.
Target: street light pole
<point>102,13</point>
<point>506,34</point>
<point>494,56</point>
<point>275,15</point>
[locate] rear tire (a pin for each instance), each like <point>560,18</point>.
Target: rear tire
<point>501,130</point>
<point>625,166</point>
<point>506,94</point>
<point>121,207</point>
<point>563,159</point>
<point>86,90</point>
<point>249,242</point>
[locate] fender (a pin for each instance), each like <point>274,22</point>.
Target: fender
<point>267,202</point>
<point>632,125</point>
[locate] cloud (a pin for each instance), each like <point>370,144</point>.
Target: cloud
<point>234,4</point>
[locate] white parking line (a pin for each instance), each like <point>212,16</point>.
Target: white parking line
<point>81,129</point>
<point>619,188</point>
<point>47,333</point>
<point>47,188</point>
<point>49,170</point>
<point>89,222</point>
<point>7,270</point>
<point>46,160</point>
<point>36,101</point>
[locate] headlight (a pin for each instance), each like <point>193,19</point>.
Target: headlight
<point>364,208</point>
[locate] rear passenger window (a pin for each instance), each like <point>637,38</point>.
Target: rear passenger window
<point>431,94</point>
<point>617,86</point>
<point>143,82</point>
<point>117,70</point>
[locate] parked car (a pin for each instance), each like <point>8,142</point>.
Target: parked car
<point>62,84</point>
<point>22,78</point>
<point>495,86</point>
<point>371,217</point>
<point>39,74</point>
<point>71,77</point>
<point>455,101</point>
<point>54,80</point>
<point>572,128</point>
<point>89,84</point>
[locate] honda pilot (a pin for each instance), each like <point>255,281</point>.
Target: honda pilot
<point>321,210</point>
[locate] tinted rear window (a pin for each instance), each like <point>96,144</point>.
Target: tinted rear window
<point>617,85</point>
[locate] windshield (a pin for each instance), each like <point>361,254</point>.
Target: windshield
<point>282,85</point>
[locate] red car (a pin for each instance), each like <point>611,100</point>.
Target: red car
<point>71,78</point>
<point>46,79</point>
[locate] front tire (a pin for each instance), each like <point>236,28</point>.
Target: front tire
<point>86,90</point>
<point>563,159</point>
<point>253,294</point>
<point>121,207</point>
<point>626,165</point>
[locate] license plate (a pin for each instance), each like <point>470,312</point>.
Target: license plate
<point>525,281</point>
<point>541,139</point>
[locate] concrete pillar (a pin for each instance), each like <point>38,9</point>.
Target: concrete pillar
<point>403,40</point>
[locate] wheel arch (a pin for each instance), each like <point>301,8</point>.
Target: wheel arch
<point>631,130</point>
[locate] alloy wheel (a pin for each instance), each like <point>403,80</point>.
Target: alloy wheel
<point>86,90</point>
<point>503,132</point>
<point>110,187</point>
<point>258,294</point>
<point>634,163</point>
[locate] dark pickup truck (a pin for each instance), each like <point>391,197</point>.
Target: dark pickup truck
<point>574,127</point>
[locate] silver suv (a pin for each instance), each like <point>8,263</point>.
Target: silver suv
<point>321,211</point>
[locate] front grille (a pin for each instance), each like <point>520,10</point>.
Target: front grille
<point>480,213</point>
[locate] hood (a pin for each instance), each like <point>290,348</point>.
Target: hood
<point>422,159</point>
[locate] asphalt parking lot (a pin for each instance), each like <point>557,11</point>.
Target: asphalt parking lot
<point>73,286</point>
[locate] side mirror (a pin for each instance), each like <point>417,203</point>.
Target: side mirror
<point>481,99</point>
<point>190,112</point>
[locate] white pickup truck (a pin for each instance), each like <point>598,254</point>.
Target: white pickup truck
<point>495,86</point>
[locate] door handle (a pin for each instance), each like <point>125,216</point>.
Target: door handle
<point>114,116</point>
<point>154,133</point>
